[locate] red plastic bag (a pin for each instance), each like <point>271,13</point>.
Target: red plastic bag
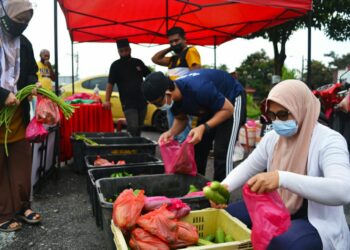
<point>160,222</point>
<point>47,111</point>
<point>187,235</point>
<point>127,208</point>
<point>269,216</point>
<point>36,132</point>
<point>178,158</point>
<point>143,240</point>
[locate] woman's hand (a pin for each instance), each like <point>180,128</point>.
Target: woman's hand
<point>11,100</point>
<point>197,134</point>
<point>264,182</point>
<point>165,137</point>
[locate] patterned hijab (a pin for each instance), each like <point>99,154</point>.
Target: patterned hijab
<point>10,46</point>
<point>291,153</point>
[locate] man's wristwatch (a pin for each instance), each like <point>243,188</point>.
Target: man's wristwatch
<point>207,127</point>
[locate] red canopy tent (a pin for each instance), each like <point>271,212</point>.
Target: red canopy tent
<point>206,22</point>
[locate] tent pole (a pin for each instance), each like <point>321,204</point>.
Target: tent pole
<point>214,52</point>
<point>309,22</point>
<point>166,15</point>
<point>72,56</point>
<point>56,47</point>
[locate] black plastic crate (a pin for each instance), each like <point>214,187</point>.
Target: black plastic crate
<point>172,186</point>
<point>78,146</point>
<point>98,173</point>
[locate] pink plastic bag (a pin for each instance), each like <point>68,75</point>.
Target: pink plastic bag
<point>35,131</point>
<point>178,158</point>
<point>269,216</point>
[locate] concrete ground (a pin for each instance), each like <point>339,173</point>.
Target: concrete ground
<point>67,216</point>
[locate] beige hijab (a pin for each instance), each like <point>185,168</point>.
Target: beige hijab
<point>291,153</point>
<point>10,46</point>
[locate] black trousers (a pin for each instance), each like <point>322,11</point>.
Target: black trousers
<point>224,137</point>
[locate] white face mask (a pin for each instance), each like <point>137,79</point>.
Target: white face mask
<point>167,106</point>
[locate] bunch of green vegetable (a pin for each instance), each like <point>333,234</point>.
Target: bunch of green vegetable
<point>120,174</point>
<point>217,193</point>
<point>83,138</point>
<point>219,237</point>
<point>7,112</point>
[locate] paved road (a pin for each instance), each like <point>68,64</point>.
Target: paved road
<point>67,221</point>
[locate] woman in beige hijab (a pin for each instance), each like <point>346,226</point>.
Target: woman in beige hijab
<point>307,163</point>
<point>17,69</point>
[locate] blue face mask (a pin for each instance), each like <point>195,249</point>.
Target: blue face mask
<point>285,128</point>
<point>166,106</point>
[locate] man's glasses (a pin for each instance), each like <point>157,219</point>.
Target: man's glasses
<point>282,115</point>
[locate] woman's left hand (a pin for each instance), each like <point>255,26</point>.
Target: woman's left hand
<point>264,182</point>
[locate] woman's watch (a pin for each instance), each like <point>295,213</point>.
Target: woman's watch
<point>207,128</point>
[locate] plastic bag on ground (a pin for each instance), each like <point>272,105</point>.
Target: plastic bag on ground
<point>143,240</point>
<point>47,111</point>
<point>269,216</point>
<point>178,158</point>
<point>160,222</point>
<point>127,208</point>
<point>36,132</point>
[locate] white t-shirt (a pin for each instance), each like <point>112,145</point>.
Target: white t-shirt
<point>326,186</point>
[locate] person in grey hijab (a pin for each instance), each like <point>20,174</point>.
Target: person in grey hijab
<point>17,70</point>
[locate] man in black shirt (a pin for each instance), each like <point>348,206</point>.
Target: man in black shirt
<point>128,73</point>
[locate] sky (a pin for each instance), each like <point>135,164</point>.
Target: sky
<point>96,58</point>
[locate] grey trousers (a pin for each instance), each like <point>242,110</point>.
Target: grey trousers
<point>134,119</point>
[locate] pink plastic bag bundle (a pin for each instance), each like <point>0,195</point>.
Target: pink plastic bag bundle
<point>47,111</point>
<point>35,131</point>
<point>178,158</point>
<point>269,216</point>
<point>179,208</point>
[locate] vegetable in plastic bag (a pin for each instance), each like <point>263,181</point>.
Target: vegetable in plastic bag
<point>187,235</point>
<point>36,132</point>
<point>160,222</point>
<point>127,208</point>
<point>269,216</point>
<point>143,240</point>
<point>47,111</point>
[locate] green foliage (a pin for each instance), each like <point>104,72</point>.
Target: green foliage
<point>152,68</point>
<point>253,110</point>
<point>320,74</point>
<point>255,71</point>
<point>288,74</point>
<point>339,62</point>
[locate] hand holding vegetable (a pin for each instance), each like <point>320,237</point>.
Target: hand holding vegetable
<point>217,194</point>
<point>264,182</point>
<point>11,100</point>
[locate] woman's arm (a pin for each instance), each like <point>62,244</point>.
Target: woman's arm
<point>333,188</point>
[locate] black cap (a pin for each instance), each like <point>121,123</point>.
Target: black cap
<point>155,86</point>
<point>123,43</point>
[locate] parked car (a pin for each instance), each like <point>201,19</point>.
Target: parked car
<point>154,117</point>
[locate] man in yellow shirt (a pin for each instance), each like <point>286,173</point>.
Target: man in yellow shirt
<point>184,59</point>
<point>45,73</point>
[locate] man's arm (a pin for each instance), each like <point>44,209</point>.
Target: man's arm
<point>52,73</point>
<point>109,89</point>
<point>180,122</point>
<point>160,58</point>
<point>219,117</point>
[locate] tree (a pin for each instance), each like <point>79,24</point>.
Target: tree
<point>255,71</point>
<point>320,74</point>
<point>332,15</point>
<point>339,62</point>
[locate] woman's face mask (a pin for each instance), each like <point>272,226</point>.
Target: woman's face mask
<point>167,106</point>
<point>12,27</point>
<point>285,128</point>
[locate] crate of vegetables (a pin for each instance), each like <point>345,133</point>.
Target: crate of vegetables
<point>169,185</point>
<point>77,140</point>
<point>216,229</point>
<point>94,174</point>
